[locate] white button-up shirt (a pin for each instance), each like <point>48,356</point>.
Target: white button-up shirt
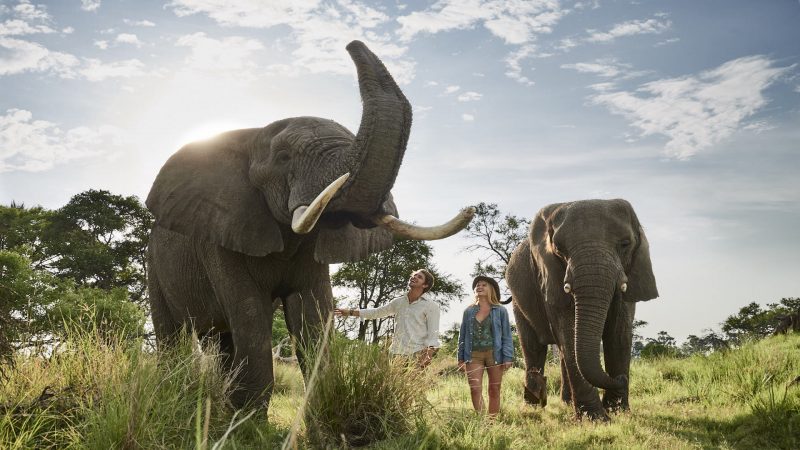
<point>416,325</point>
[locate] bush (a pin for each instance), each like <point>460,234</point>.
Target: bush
<point>362,395</point>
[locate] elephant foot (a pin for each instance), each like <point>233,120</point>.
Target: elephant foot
<point>594,414</point>
<point>245,399</point>
<point>615,403</point>
<point>535,390</point>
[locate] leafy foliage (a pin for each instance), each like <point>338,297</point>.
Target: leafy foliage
<point>496,236</point>
<point>384,276</point>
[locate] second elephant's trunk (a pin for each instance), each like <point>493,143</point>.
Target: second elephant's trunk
<point>594,286</point>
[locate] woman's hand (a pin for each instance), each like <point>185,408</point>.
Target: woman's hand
<point>461,366</point>
<point>506,366</point>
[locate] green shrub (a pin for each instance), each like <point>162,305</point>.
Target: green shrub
<point>362,395</point>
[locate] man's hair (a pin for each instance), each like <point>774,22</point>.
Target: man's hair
<point>429,280</point>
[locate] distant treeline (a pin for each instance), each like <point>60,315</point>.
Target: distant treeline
<point>84,265</point>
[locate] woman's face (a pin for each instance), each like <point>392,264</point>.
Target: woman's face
<point>482,289</point>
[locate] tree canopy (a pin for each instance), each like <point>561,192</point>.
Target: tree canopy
<point>494,237</point>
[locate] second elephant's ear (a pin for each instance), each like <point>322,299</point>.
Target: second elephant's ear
<point>641,281</point>
<point>204,191</point>
<point>350,243</point>
<point>550,266</point>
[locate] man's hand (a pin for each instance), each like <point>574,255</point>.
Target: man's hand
<point>345,312</point>
<point>426,356</point>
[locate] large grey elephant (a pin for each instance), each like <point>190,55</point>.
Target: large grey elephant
<point>574,283</point>
<point>256,215</point>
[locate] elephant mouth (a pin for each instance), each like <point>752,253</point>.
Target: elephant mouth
<point>306,217</point>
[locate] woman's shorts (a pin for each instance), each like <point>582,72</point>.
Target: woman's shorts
<point>485,357</point>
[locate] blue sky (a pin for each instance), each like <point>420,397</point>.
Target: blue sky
<point>688,109</point>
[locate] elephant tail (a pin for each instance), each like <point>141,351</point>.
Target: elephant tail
<point>507,301</point>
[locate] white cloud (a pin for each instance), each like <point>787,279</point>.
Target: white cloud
<point>23,56</point>
<point>467,117</point>
<point>90,5</point>
<point>96,70</point>
<point>128,38</point>
<point>696,112</point>
<point>630,28</point>
<point>26,19</point>
<point>68,30</point>
<point>138,23</point>
<point>451,89</point>
<point>234,53</point>
<point>320,30</point>
<point>515,22</point>
<point>102,45</point>
<point>513,62</point>
<point>469,96</point>
<point>36,145</point>
<point>603,70</point>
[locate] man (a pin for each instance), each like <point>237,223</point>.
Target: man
<point>416,325</point>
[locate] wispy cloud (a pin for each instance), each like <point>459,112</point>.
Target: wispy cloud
<point>606,68</point>
<point>138,23</point>
<point>96,70</point>
<point>90,5</point>
<point>319,30</point>
<point>233,53</point>
<point>468,117</point>
<point>128,38</point>
<point>630,28</point>
<point>451,89</point>
<point>699,111</point>
<point>514,64</point>
<point>36,145</point>
<point>26,19</point>
<point>514,22</point>
<point>469,96</point>
<point>22,56</point>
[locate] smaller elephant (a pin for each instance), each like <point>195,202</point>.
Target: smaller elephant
<point>574,283</point>
<point>535,388</point>
<point>786,323</point>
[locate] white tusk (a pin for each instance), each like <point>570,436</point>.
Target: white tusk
<point>411,231</point>
<point>305,217</point>
<point>624,287</point>
<point>567,288</point>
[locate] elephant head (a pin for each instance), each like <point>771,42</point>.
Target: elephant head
<point>253,190</point>
<point>592,252</point>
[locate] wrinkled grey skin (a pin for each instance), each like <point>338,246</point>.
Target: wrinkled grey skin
<point>222,253</point>
<point>596,246</point>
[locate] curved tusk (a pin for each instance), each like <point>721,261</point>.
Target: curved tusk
<point>305,217</point>
<point>567,288</point>
<point>411,231</point>
<point>624,287</point>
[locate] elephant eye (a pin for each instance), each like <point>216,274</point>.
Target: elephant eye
<point>625,243</point>
<point>282,157</point>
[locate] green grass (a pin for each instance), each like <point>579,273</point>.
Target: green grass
<point>99,395</point>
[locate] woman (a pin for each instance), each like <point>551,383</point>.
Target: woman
<point>484,343</point>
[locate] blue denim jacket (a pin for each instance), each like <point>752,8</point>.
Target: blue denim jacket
<point>501,331</point>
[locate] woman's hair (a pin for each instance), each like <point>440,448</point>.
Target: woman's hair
<point>493,300</point>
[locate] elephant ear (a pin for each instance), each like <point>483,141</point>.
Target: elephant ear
<point>551,267</point>
<point>350,243</point>
<point>641,281</point>
<point>204,191</point>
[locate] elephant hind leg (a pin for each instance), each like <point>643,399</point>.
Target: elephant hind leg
<point>221,342</point>
<point>535,353</point>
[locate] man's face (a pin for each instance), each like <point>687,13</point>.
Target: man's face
<point>417,280</point>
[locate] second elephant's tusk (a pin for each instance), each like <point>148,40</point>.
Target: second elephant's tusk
<point>411,231</point>
<point>305,217</point>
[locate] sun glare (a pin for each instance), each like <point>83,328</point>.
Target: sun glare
<point>207,131</point>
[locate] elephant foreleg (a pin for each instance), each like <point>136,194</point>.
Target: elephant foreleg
<point>535,353</point>
<point>585,398</point>
<point>566,387</point>
<point>306,314</point>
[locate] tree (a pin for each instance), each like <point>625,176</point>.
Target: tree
<point>98,239</point>
<point>638,339</point>
<point>663,345</point>
<point>383,276</point>
<point>750,322</point>
<point>495,236</point>
<point>24,230</point>
<point>709,342</point>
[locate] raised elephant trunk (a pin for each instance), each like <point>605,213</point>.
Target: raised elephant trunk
<point>594,286</point>
<point>377,151</point>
